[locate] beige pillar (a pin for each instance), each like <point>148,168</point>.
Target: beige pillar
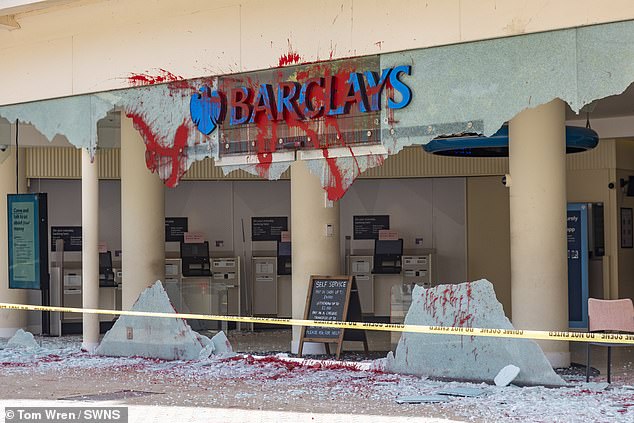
<point>89,248</point>
<point>314,252</point>
<point>10,320</point>
<point>142,218</point>
<point>539,267</point>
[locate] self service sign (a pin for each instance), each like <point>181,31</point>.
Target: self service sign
<point>28,256</point>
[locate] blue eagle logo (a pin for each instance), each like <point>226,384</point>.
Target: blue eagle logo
<point>207,109</point>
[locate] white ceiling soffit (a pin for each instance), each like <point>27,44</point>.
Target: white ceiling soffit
<point>13,7</point>
<point>10,8</point>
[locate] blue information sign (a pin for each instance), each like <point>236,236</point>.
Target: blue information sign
<point>27,267</point>
<point>577,235</point>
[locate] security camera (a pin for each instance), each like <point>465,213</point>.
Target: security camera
<point>506,180</point>
<point>3,147</point>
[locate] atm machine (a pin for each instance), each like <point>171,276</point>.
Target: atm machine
<point>106,274</point>
<point>284,258</point>
<point>196,290</point>
<point>284,284</point>
<point>195,259</point>
<point>387,256</point>
<point>387,274</point>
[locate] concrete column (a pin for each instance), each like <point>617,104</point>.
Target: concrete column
<point>314,253</point>
<point>142,218</point>
<point>539,267</point>
<point>10,320</point>
<point>89,248</point>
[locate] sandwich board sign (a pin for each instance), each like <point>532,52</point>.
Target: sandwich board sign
<point>332,298</point>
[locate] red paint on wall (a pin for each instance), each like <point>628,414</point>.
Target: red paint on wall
<point>334,188</point>
<point>156,150</point>
<point>142,79</point>
<point>292,57</point>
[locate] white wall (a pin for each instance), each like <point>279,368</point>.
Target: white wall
<point>64,209</point>
<point>94,46</point>
<point>429,208</point>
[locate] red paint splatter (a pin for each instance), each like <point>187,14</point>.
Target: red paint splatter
<point>156,152</point>
<point>320,134</point>
<point>142,79</point>
<point>292,57</point>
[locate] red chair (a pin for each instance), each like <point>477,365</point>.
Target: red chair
<point>609,316</point>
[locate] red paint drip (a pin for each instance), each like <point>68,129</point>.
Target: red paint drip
<point>156,151</point>
<point>335,188</point>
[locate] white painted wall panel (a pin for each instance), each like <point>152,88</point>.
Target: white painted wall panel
<point>431,208</point>
<point>90,46</point>
<point>206,42</point>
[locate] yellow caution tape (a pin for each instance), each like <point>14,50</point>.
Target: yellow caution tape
<point>608,338</point>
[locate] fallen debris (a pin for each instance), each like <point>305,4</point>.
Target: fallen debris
<point>506,375</point>
<point>164,338</point>
<point>22,339</point>
<point>462,392</point>
<point>467,358</point>
<point>429,399</point>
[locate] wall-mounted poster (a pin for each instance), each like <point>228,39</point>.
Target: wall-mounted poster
<point>368,227</point>
<point>627,240</point>
<point>577,239</point>
<point>71,235</point>
<point>28,258</point>
<point>268,228</point>
<point>175,228</point>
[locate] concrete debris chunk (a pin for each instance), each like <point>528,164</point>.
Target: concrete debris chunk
<point>601,386</point>
<point>221,343</point>
<point>506,375</point>
<point>23,339</point>
<point>208,347</point>
<point>466,358</point>
<point>155,337</point>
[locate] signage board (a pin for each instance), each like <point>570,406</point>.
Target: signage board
<point>332,298</point>
<point>368,227</point>
<point>328,301</point>
<point>193,237</point>
<point>341,101</point>
<point>577,239</point>
<point>268,228</point>
<point>175,228</point>
<point>27,239</point>
<point>388,235</point>
<point>71,235</point>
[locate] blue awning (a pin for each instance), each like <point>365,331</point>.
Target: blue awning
<point>578,139</point>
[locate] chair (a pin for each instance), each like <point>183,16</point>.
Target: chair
<point>609,315</point>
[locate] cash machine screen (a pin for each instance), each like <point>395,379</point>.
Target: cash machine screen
<point>195,250</point>
<point>388,248</point>
<point>105,260</point>
<point>284,249</point>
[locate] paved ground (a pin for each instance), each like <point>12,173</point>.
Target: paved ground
<point>269,388</point>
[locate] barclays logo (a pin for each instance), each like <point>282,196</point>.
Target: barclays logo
<point>207,109</point>
<point>292,101</point>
